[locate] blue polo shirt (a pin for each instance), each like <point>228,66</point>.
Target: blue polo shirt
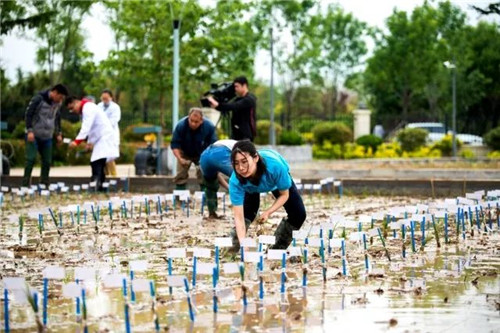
<point>276,177</point>
<point>193,143</point>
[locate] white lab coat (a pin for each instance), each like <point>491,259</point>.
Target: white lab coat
<point>97,129</point>
<point>114,114</point>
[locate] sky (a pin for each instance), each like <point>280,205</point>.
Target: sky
<point>20,51</point>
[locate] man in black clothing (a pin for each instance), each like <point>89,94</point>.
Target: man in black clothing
<point>43,120</point>
<point>244,108</point>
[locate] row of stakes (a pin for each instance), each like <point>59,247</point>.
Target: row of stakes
<point>326,185</point>
<point>469,214</point>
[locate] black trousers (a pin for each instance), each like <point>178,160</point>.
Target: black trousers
<point>294,206</point>
<point>98,174</point>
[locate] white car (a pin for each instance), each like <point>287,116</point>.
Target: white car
<point>437,132</point>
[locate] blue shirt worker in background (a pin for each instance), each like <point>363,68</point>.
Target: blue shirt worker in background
<point>262,172</point>
<point>43,119</point>
<point>191,137</point>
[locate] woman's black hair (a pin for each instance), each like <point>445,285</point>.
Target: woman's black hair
<point>107,91</point>
<point>246,146</point>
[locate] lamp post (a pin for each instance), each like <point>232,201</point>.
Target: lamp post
<point>453,68</point>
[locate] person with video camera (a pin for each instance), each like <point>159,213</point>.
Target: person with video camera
<point>244,110</point>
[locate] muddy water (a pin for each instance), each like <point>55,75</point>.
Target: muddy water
<point>452,288</point>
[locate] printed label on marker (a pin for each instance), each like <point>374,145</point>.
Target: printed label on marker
<point>114,280</point>
<point>253,256</point>
<point>45,193</point>
<point>299,234</point>
<point>294,251</point>
<point>356,236</point>
<point>14,283</point>
<point>5,189</point>
<point>140,285</point>
<point>231,268</point>
<point>93,184</point>
<point>138,265</point>
<point>248,242</point>
<point>178,252</point>
<point>266,239</point>
<point>112,182</point>
<point>85,186</point>
<point>275,254</point>
<point>175,280</point>
<point>203,268</point>
<point>84,273</point>
<point>202,252</point>
<point>336,242</point>
<point>314,242</point>
<point>54,272</point>
<point>223,242</point>
<point>373,232</point>
<point>72,290</point>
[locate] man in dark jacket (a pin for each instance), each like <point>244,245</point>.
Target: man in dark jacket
<point>191,137</point>
<point>244,109</point>
<point>43,119</point>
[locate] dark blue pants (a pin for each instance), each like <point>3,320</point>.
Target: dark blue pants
<point>294,206</point>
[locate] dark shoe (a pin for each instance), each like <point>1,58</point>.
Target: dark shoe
<point>283,234</point>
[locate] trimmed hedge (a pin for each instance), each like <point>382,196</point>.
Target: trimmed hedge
<point>412,139</point>
<point>333,132</point>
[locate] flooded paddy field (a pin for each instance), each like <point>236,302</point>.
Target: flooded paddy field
<point>372,263</point>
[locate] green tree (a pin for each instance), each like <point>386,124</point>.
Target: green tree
<point>61,37</point>
<point>335,43</point>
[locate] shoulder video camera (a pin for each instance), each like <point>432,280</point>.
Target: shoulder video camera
<point>222,93</point>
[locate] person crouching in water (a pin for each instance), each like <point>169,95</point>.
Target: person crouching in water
<point>261,172</point>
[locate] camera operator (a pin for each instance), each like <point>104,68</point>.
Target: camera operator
<point>244,108</point>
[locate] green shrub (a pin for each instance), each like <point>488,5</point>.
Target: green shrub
<point>19,131</point>
<point>467,154</point>
<point>369,141</point>
<point>69,129</point>
<point>412,139</point>
<point>308,137</point>
<point>263,132</point>
<point>388,150</point>
<point>445,145</point>
<point>327,150</point>
<point>306,125</point>
<point>494,154</point>
<point>290,138</point>
<point>492,138</point>
<point>334,132</point>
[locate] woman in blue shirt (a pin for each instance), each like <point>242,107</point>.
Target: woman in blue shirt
<point>262,172</point>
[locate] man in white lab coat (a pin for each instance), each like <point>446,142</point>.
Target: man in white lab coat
<point>97,131</point>
<point>113,111</point>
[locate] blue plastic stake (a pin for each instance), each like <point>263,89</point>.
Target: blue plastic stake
<point>214,284</point>
<point>194,271</point>
<point>283,273</point>
<point>45,300</point>
<point>6,310</point>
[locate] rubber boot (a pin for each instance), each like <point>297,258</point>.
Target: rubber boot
<point>283,234</point>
